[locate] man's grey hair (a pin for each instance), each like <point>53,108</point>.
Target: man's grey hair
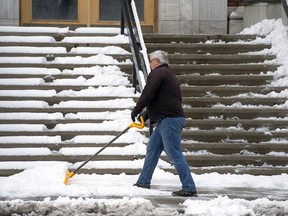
<point>161,55</point>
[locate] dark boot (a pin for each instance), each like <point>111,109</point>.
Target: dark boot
<point>184,193</point>
<point>142,186</point>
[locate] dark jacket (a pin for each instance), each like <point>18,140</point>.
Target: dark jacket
<point>161,95</point>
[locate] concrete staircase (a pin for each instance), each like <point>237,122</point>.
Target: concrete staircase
<point>233,125</point>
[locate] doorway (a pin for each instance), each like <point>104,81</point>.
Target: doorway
<point>76,13</point>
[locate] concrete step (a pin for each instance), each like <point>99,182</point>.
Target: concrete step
<point>70,158</point>
<point>192,160</point>
<point>235,160</point>
<point>199,170</point>
<point>219,135</point>
<point>173,58</point>
<point>227,91</point>
<point>217,148</point>
<point>228,101</point>
<point>222,69</point>
<point>232,135</point>
<point>185,69</point>
<point>187,91</point>
<point>189,48</point>
<point>236,113</point>
<point>218,59</point>
<point>58,146</point>
<point>50,123</point>
<point>193,101</point>
<point>235,148</point>
<point>174,48</point>
<point>65,135</point>
<point>196,170</point>
<point>149,38</point>
<point>202,124</point>
<point>67,46</point>
<point>57,99</point>
<point>168,38</point>
<point>58,36</point>
<point>246,124</point>
<point>195,113</point>
<point>216,80</point>
<point>63,110</point>
<point>124,67</point>
<point>48,86</point>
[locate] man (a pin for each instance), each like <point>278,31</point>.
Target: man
<point>162,98</point>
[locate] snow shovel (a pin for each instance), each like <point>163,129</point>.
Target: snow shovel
<point>133,124</point>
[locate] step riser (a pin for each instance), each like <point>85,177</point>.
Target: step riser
<point>200,136</point>
<point>225,80</point>
<point>173,59</point>
<point>235,148</point>
<point>206,48</point>
<point>202,91</point>
<point>195,102</point>
<point>157,38</point>
<point>195,161</point>
<point>195,123</point>
<point>198,171</point>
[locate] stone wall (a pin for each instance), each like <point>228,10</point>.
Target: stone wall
<point>254,13</point>
<point>192,16</point>
<point>9,12</point>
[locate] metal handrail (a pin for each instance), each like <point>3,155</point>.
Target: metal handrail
<point>140,71</point>
<point>285,6</point>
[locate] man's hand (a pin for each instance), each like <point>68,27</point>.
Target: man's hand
<point>144,115</point>
<point>133,115</point>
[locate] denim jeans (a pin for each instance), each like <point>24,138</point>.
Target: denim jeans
<point>167,136</point>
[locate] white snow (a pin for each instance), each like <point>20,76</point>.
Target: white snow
<point>34,29</point>
<point>27,39</point>
<point>45,179</point>
<point>118,39</point>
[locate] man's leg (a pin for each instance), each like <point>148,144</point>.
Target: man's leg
<point>170,130</point>
<point>154,150</point>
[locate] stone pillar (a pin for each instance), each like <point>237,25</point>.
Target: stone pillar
<point>192,16</point>
<point>254,13</point>
<point>236,20</point>
<point>9,12</point>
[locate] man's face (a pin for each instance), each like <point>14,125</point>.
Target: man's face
<point>154,63</point>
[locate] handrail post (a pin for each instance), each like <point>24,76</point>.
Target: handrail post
<point>122,24</point>
<point>285,6</point>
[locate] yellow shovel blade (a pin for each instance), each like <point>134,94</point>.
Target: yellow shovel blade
<point>68,175</point>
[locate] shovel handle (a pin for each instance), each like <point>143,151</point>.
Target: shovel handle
<point>133,124</point>
<point>138,125</point>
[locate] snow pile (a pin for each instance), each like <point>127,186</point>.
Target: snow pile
<point>79,206</point>
<point>235,207</point>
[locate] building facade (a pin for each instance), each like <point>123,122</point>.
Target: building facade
<point>157,16</point>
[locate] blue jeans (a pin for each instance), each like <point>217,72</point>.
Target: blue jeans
<point>167,136</point>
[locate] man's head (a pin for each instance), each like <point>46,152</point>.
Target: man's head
<point>157,58</point>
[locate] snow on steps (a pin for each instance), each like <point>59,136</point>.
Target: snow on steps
<point>219,135</point>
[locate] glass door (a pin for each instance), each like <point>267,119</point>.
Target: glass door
<point>84,13</point>
<point>55,10</point>
<point>106,6</point>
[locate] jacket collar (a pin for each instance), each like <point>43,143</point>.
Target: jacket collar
<point>162,65</point>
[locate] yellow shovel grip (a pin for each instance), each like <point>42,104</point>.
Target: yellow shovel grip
<point>138,125</point>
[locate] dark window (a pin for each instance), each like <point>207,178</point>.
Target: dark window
<point>54,9</point>
<point>110,10</point>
